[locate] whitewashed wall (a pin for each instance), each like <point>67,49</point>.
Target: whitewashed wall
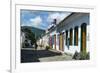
<point>78,20</point>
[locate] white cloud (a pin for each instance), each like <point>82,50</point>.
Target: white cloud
<point>58,16</point>
<point>36,21</point>
<point>26,24</point>
<point>52,16</point>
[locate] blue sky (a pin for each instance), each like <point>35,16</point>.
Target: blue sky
<point>41,19</point>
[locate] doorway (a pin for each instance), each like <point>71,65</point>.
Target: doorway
<point>83,37</point>
<point>61,42</point>
<point>55,41</point>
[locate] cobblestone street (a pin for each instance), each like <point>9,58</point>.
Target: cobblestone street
<point>42,55</point>
<point>62,57</point>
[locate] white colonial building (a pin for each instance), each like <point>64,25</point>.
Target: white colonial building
<point>70,35</point>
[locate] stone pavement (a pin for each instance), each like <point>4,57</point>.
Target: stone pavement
<point>62,57</point>
<point>42,55</point>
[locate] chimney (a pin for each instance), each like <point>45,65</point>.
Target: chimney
<point>55,21</point>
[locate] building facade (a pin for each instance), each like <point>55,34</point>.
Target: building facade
<point>71,34</point>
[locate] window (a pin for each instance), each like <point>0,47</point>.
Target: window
<point>76,36</point>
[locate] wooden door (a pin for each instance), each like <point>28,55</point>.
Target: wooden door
<point>55,41</point>
<point>83,38</point>
<point>61,42</point>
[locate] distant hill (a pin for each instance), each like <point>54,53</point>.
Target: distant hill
<point>38,32</point>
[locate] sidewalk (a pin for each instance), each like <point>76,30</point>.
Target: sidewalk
<point>62,57</point>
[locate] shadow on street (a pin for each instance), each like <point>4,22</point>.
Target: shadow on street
<point>34,55</point>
